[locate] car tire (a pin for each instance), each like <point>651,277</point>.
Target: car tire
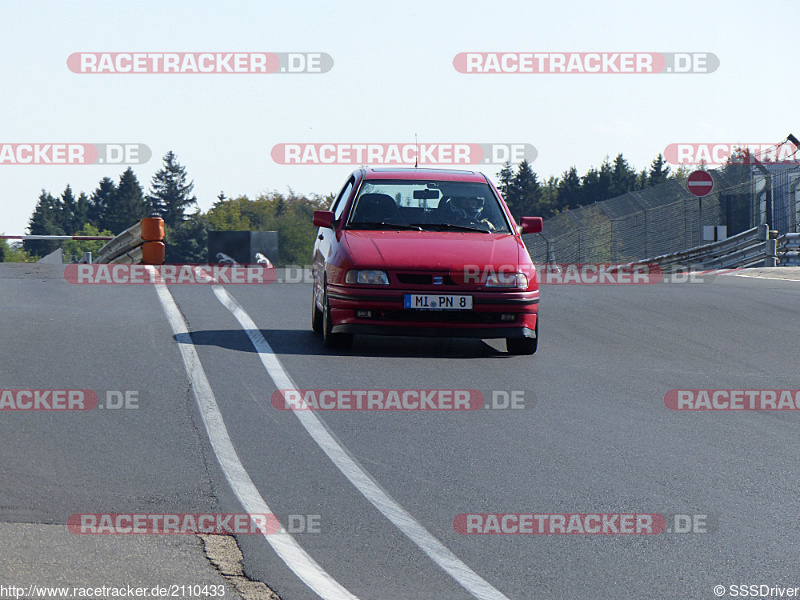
<point>330,339</point>
<point>316,313</point>
<point>523,345</point>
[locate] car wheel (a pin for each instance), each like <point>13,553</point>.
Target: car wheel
<point>523,345</point>
<point>316,313</point>
<point>330,339</point>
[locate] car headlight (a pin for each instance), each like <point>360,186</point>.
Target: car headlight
<point>507,280</point>
<point>367,277</point>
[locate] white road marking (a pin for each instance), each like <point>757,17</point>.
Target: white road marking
<point>358,476</point>
<point>297,559</point>
<point>764,276</point>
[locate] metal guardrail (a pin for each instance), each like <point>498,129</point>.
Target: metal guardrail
<point>140,243</point>
<point>789,250</point>
<point>755,247</point>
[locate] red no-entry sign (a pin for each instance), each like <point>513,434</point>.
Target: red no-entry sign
<point>700,183</point>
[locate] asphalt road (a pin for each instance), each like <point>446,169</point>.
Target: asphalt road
<point>594,436</point>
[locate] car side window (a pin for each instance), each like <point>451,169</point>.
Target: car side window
<point>341,201</point>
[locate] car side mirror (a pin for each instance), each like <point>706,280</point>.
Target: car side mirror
<point>531,224</point>
<point>323,218</point>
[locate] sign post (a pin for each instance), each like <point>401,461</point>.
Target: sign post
<point>700,183</point>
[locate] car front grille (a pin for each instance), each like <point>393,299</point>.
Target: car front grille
<point>432,279</point>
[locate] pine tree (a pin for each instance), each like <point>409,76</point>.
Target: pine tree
<point>596,185</point>
<point>127,206</point>
<point>505,177</point>
<point>46,220</point>
<point>569,190</point>
<point>66,217</point>
<point>100,201</point>
<point>170,194</point>
<point>548,200</point>
<point>659,171</point>
<point>188,242</point>
<point>81,216</point>
<point>681,173</point>
<point>641,180</point>
<point>623,177</point>
<point>527,190</point>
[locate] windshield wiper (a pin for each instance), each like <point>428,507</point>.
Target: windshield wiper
<point>451,227</point>
<point>382,225</point>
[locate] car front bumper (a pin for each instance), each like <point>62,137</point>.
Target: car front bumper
<point>495,314</point>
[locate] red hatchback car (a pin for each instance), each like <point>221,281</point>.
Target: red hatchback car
<point>424,252</point>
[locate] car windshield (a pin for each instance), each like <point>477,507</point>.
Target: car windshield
<point>428,205</point>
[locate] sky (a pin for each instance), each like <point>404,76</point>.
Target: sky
<point>392,77</point>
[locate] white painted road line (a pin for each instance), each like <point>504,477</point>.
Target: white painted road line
<point>287,548</point>
<point>358,476</point>
<point>765,276</point>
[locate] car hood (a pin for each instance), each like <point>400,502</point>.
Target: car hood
<point>430,250</point>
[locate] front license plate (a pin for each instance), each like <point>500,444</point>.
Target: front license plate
<point>437,302</point>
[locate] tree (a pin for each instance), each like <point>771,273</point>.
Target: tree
<point>681,173</point>
<point>13,253</point>
<point>46,220</point>
<point>641,180</point>
<point>170,194</point>
<point>623,177</point>
<point>288,214</point>
<point>81,215</point>
<point>66,215</point>
<point>548,199</point>
<point>505,177</point>
<point>74,248</point>
<point>569,190</point>
<point>527,191</point>
<point>226,215</point>
<point>99,203</point>
<point>127,206</point>
<point>739,164</point>
<point>596,185</point>
<point>659,171</point>
<point>187,242</point>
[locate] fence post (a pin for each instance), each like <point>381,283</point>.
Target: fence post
<point>772,253</point>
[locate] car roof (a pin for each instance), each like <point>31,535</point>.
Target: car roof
<point>423,174</point>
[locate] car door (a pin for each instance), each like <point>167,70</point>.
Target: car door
<point>327,241</point>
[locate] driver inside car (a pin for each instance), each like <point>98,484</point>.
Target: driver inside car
<point>468,210</point>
